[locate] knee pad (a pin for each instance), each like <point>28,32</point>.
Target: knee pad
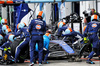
<point>95,49</point>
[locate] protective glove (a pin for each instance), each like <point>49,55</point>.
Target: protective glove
<point>5,49</point>
<point>8,48</point>
<point>86,40</point>
<point>44,49</point>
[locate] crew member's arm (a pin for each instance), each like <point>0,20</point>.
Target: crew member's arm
<point>85,34</point>
<point>44,27</point>
<point>70,34</point>
<point>59,31</point>
<point>85,21</point>
<point>18,33</point>
<point>30,27</point>
<point>6,44</point>
<point>86,31</point>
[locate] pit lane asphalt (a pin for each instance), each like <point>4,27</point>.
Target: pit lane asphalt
<point>60,62</point>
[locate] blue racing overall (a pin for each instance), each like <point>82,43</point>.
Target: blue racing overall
<point>91,31</point>
<point>37,28</point>
<point>61,30</point>
<point>25,34</point>
<point>7,45</point>
<point>45,47</point>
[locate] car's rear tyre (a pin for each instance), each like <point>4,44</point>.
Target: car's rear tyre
<point>24,52</point>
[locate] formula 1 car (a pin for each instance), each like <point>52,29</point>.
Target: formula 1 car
<point>57,48</point>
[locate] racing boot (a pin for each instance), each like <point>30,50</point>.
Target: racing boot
<point>32,64</point>
<point>40,64</point>
<point>89,62</point>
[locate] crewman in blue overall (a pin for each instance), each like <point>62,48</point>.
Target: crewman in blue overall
<point>9,38</point>
<point>37,29</point>
<point>46,38</point>
<point>61,30</point>
<point>3,30</point>
<point>91,32</point>
<point>71,33</point>
<point>3,26</point>
<point>22,31</point>
<point>3,22</point>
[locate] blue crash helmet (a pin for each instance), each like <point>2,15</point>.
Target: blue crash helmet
<point>7,31</point>
<point>94,17</point>
<point>4,28</point>
<point>21,25</point>
<point>11,37</point>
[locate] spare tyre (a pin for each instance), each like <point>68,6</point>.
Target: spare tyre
<point>24,52</point>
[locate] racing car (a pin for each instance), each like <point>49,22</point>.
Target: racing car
<point>57,48</point>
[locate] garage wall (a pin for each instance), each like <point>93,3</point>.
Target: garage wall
<point>4,12</point>
<point>68,8</point>
<point>48,11</point>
